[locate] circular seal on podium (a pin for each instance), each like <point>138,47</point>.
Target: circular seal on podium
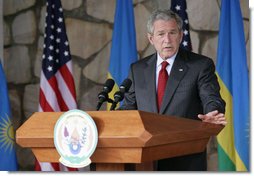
<point>75,138</point>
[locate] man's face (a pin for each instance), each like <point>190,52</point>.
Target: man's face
<point>166,37</point>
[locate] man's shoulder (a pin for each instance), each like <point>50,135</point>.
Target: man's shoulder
<point>194,57</point>
<point>145,60</point>
<point>191,54</point>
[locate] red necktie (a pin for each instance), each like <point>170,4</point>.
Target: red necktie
<point>162,81</point>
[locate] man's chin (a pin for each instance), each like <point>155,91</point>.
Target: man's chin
<point>167,55</point>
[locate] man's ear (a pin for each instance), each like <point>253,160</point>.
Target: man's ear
<point>181,33</point>
<point>150,38</point>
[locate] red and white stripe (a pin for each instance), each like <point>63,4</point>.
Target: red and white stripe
<point>57,94</point>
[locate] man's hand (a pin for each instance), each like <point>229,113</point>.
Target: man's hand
<point>213,117</point>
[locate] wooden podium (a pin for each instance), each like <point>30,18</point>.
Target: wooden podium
<point>124,137</point>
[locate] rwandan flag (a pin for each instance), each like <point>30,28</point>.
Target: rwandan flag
<point>8,161</point>
<point>232,70</point>
<point>123,50</point>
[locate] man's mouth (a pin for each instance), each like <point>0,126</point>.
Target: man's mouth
<point>168,47</point>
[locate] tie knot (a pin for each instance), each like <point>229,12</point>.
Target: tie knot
<point>164,64</point>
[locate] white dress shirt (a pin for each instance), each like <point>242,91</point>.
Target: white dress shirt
<point>158,66</point>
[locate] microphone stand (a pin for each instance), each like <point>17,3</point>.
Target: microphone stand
<point>113,106</point>
<point>109,100</point>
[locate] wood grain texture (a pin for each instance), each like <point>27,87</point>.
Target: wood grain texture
<point>124,137</point>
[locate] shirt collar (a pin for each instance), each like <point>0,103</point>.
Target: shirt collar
<point>169,60</point>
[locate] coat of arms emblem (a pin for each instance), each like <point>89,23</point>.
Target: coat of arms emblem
<point>75,138</point>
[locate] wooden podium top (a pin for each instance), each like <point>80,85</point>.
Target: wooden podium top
<point>152,136</point>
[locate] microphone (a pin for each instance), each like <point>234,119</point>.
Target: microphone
<point>103,95</point>
<point>108,86</point>
<point>125,86</point>
<point>119,95</point>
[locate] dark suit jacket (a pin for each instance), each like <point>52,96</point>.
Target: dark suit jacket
<point>192,89</point>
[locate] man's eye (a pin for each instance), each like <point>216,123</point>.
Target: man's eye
<point>173,32</point>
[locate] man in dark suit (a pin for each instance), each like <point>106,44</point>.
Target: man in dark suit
<point>191,88</point>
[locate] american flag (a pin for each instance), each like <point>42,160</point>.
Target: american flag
<point>57,89</point>
<point>179,7</point>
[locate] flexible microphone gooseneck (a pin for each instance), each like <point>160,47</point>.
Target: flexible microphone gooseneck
<point>103,95</point>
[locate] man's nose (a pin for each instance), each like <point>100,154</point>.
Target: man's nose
<point>167,38</point>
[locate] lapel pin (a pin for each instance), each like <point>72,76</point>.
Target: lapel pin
<point>180,69</point>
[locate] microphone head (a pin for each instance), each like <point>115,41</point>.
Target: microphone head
<point>125,86</point>
<point>108,86</point>
<point>103,96</point>
<point>118,96</point>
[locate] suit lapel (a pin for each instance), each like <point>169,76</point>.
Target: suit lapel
<point>178,71</point>
<point>151,82</point>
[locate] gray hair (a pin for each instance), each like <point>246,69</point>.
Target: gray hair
<point>163,15</point>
